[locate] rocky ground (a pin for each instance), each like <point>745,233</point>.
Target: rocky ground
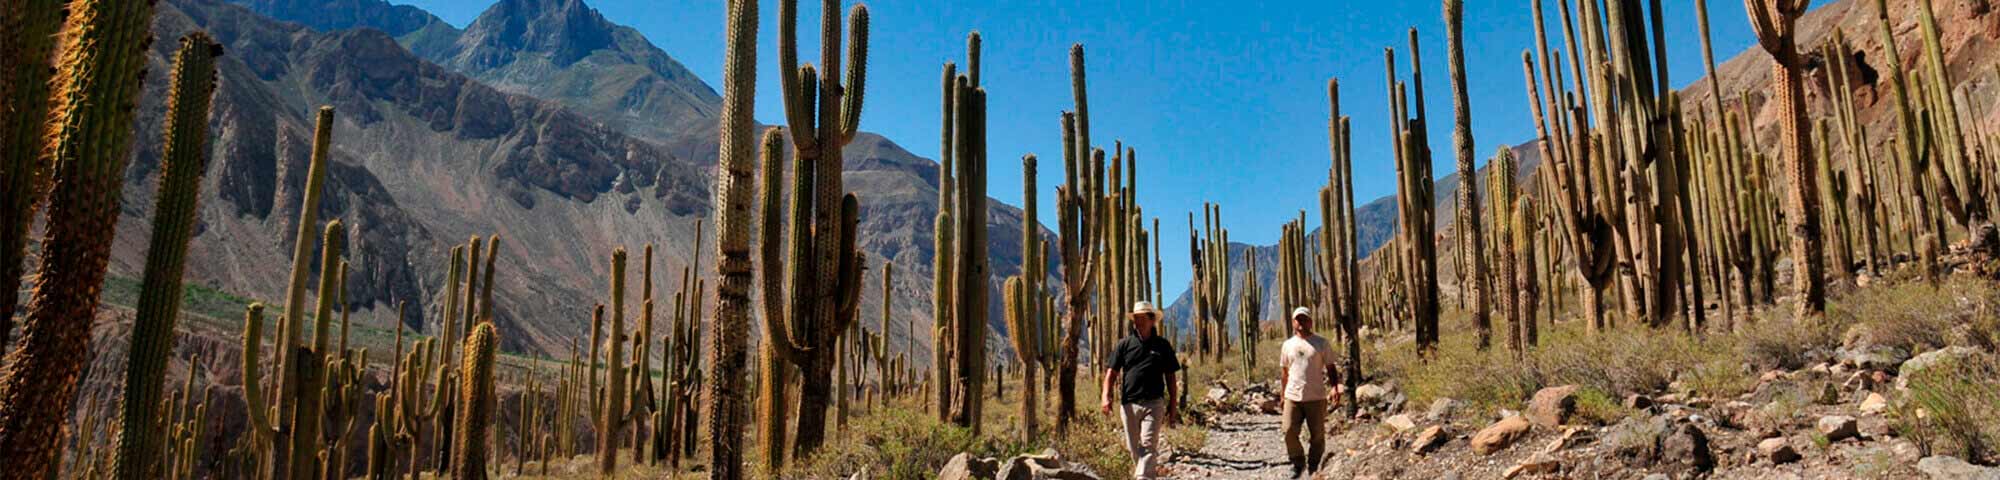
<point>1828,420</point>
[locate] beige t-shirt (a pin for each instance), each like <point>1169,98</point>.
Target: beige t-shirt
<point>1305,361</point>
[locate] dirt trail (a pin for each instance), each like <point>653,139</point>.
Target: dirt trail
<point>1239,446</point>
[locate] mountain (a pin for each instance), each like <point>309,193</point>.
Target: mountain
<point>425,156</point>
<point>1969,31</point>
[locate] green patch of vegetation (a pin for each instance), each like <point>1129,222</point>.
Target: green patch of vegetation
<point>1953,408</point>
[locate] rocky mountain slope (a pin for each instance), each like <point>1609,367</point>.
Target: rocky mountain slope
<point>426,155</point>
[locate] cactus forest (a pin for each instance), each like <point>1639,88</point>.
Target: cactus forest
<point>1781,263</point>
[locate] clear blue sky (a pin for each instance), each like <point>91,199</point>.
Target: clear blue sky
<point>1224,100</point>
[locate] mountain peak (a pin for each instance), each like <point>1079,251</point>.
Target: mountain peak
<point>331,15</point>
<point>566,30</point>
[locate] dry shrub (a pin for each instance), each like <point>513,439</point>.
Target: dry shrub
<point>1953,408</point>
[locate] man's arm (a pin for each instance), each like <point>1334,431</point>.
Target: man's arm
<point>1104,394</point>
<point>1173,396</point>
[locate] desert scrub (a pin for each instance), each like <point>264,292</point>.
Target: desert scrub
<point>1953,408</point>
<point>1917,317</point>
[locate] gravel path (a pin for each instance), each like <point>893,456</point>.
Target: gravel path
<point>1240,446</point>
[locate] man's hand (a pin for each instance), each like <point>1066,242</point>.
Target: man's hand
<point>1173,416</point>
<point>1104,406</point>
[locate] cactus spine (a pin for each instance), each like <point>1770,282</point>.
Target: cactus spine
<point>185,160</point>
<point>28,34</point>
<point>97,82</point>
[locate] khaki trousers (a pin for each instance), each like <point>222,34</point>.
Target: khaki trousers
<point>1142,435</point>
<point>1313,415</point>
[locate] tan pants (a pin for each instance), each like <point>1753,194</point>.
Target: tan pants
<point>1142,435</point>
<point>1313,415</point>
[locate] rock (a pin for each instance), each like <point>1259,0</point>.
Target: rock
<point>1638,402</point>
<point>1875,403</point>
<point>1932,359</point>
<point>964,466</point>
<point>1687,450</point>
<point>1770,376</point>
<point>1552,406</point>
<point>1940,467</point>
<point>1271,406</point>
<point>1370,393</point>
<point>1430,439</point>
<point>1828,395</point>
<point>1838,427</point>
<point>1779,450</point>
<point>1217,395</point>
<point>1500,435</point>
<point>1442,409</point>
<point>1400,422</point>
<point>1537,465</point>
<point>1874,357</point>
<point>1571,438</point>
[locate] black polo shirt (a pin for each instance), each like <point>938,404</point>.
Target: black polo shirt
<point>1144,364</point>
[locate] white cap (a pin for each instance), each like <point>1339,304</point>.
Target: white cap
<point>1145,308</point>
<point>1302,312</point>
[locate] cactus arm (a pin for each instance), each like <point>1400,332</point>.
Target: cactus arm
<point>793,81</point>
<point>857,74</point>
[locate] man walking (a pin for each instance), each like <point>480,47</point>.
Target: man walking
<point>1306,373</point>
<point>1146,363</point>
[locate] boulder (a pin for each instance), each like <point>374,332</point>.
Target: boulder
<point>1940,467</point>
<point>964,466</point>
<point>1552,406</point>
<point>1500,435</point>
<point>1838,427</point>
<point>1370,393</point>
<point>1687,450</point>
<point>1872,357</point>
<point>1875,403</point>
<point>1778,450</point>
<point>1217,395</point>
<point>1442,409</point>
<point>1540,464</point>
<point>1400,422</point>
<point>1932,359</point>
<point>1430,439</point>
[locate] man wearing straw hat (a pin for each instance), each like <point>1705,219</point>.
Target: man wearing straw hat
<point>1146,363</point>
<point>1306,372</point>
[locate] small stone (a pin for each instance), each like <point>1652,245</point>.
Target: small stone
<point>1400,422</point>
<point>1838,427</point>
<point>1430,439</point>
<point>1370,393</point>
<point>1536,465</point>
<point>1500,435</point>
<point>1688,448</point>
<point>1638,402</point>
<point>1875,403</point>
<point>1828,394</point>
<point>1770,376</point>
<point>1552,406</point>
<point>964,466</point>
<point>1441,409</point>
<point>1779,450</point>
<point>1217,395</point>
<point>1571,438</point>
<point>1940,467</point>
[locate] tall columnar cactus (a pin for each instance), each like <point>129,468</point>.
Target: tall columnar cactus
<point>1471,235</point>
<point>733,192</point>
<point>1023,304</point>
<point>1337,240</point>
<point>1501,176</point>
<point>95,88</point>
<point>1250,311</point>
<point>1527,291</point>
<point>1413,201</point>
<point>1209,250</point>
<point>27,35</point>
<point>1083,218</point>
<point>823,111</point>
<point>969,293</point>
<point>184,162</point>
<point>611,418</point>
<point>1774,21</point>
<point>475,396</point>
<point>942,265</point>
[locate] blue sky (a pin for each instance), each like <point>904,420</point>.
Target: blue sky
<point>1225,101</point>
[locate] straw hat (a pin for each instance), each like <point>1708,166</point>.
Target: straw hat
<point>1145,308</point>
<point>1302,312</point>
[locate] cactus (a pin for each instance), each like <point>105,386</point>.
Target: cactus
<point>971,274</point>
<point>28,34</point>
<point>1023,302</point>
<point>733,192</point>
<point>1527,292</point>
<point>1502,194</point>
<point>1773,21</point>
<point>1471,235</point>
<point>1337,240</point>
<point>1079,219</point>
<point>1250,316</point>
<point>475,395</point>
<point>93,99</point>
<point>185,160</point>
<point>1209,250</point>
<point>1413,201</point>
<point>612,411</point>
